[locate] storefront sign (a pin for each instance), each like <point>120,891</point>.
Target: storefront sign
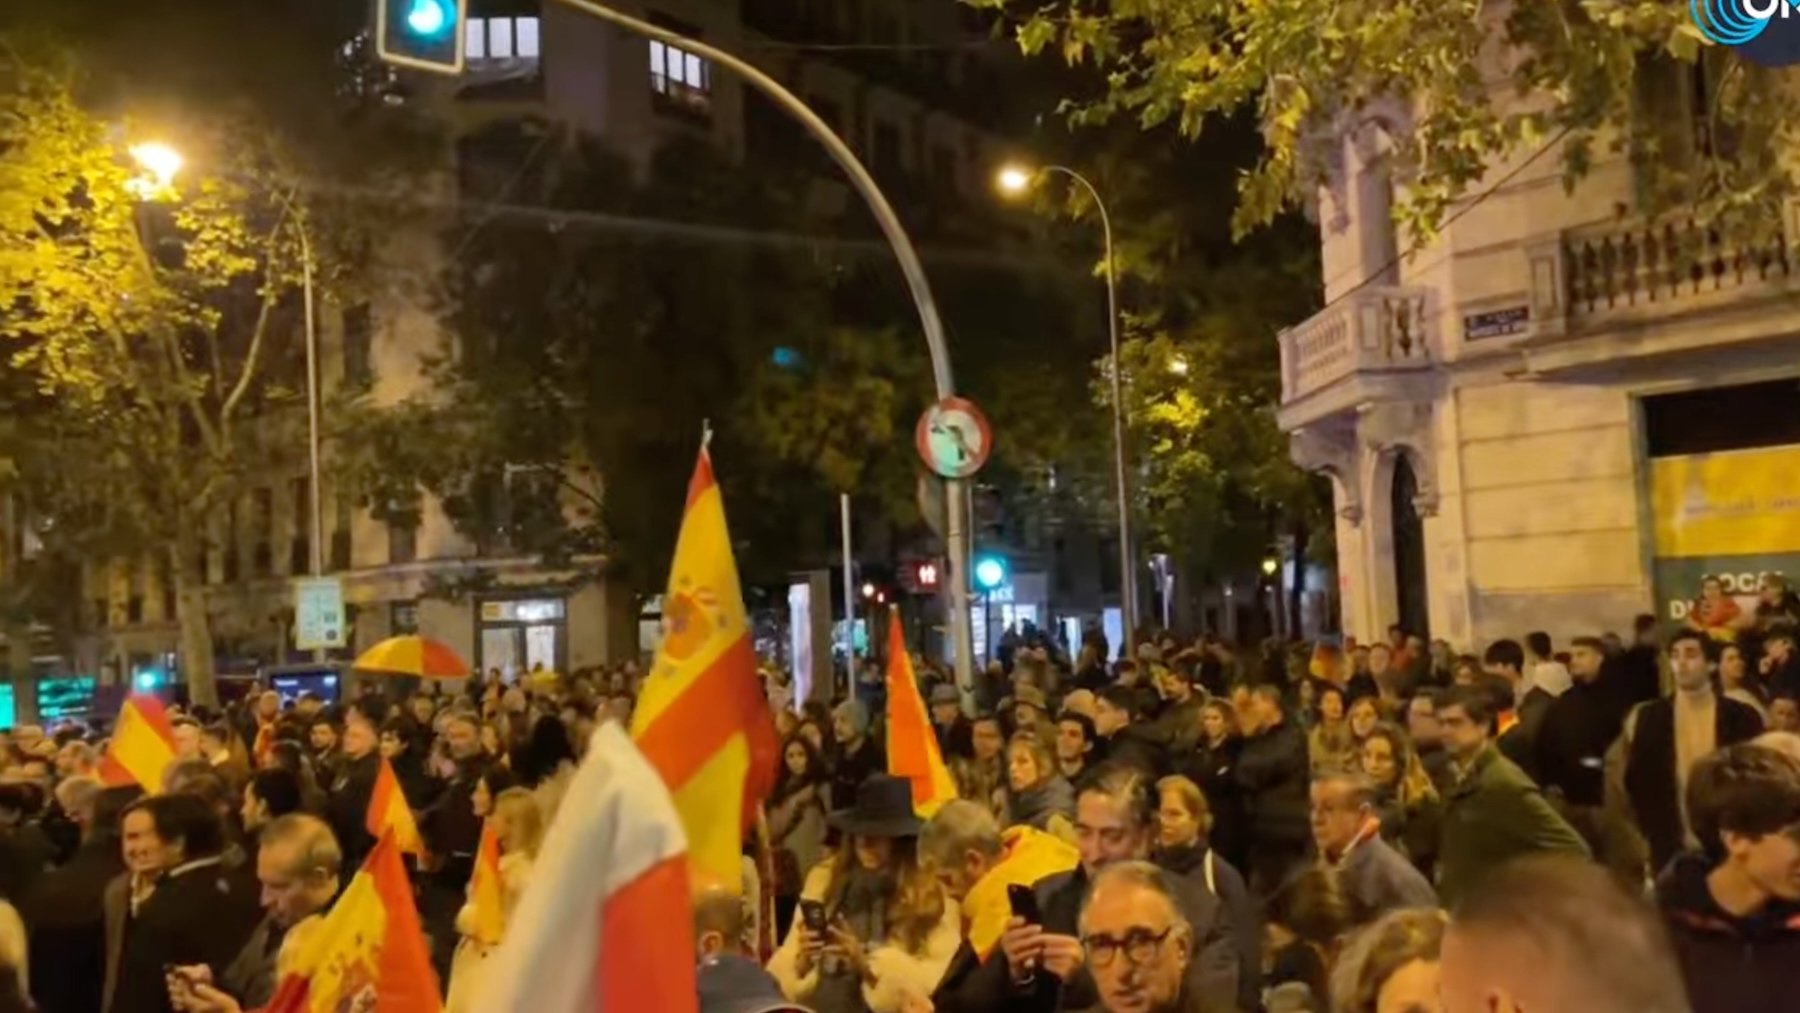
<point>1734,515</point>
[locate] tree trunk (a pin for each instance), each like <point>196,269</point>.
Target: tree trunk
<point>196,649</point>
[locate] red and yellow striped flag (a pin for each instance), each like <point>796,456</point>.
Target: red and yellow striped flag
<point>912,746</point>
<point>142,745</point>
<point>388,811</point>
<point>368,953</point>
<point>702,720</point>
<point>486,890</point>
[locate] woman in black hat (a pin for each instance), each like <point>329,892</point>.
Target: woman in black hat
<point>890,930</point>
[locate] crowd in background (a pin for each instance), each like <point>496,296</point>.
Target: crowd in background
<point>1174,827</point>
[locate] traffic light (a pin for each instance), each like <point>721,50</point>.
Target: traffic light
<point>422,34</point>
<point>990,572</point>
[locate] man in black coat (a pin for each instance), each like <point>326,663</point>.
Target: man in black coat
<point>1571,744</point>
<point>1668,737</point>
<point>1122,741</point>
<point>1272,774</point>
<point>1041,968</point>
<point>348,808</point>
<point>1733,909</point>
<point>66,913</point>
<point>196,913</point>
<point>955,733</point>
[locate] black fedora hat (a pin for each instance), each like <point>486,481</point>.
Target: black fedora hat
<point>883,809</point>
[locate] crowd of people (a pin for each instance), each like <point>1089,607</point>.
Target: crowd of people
<point>1607,824</point>
<point>1314,827</point>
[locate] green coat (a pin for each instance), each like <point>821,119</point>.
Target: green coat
<point>1493,815</point>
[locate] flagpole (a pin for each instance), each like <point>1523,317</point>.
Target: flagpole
<point>956,491</point>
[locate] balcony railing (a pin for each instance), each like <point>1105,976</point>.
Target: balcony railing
<point>1376,329</point>
<point>1668,261</point>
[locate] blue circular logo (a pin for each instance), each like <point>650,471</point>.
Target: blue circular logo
<point>1762,31</point>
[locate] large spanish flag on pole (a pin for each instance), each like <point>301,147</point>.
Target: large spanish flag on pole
<point>368,953</point>
<point>142,745</point>
<point>912,746</point>
<point>702,720</point>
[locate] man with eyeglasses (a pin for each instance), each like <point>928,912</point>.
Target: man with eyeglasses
<point>1114,820</point>
<point>1139,944</point>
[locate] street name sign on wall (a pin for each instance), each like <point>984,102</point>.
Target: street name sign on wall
<point>319,620</point>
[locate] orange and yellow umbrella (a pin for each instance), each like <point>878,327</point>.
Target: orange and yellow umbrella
<point>413,655</point>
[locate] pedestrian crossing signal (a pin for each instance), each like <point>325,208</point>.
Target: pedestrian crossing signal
<point>421,34</point>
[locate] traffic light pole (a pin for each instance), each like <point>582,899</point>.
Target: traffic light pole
<point>956,491</point>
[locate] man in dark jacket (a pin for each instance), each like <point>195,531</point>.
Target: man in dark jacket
<point>1347,834</point>
<point>348,808</point>
<point>1668,737</point>
<point>1733,909</point>
<point>857,755</point>
<point>1115,820</point>
<point>1572,742</point>
<point>955,735</point>
<point>1272,772</point>
<point>1122,741</point>
<point>197,914</point>
<point>1493,813</point>
<point>66,912</point>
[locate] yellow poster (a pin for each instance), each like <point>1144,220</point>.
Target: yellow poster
<point>1732,503</point>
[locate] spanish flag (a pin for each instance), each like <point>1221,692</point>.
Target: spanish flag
<point>368,953</point>
<point>142,745</point>
<point>388,811</point>
<point>912,746</point>
<point>486,892</point>
<point>702,720</point>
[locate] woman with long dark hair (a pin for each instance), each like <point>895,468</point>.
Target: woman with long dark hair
<point>888,928</point>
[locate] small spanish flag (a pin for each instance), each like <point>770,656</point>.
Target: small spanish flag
<point>369,952</point>
<point>912,746</point>
<point>142,745</point>
<point>388,811</point>
<point>486,889</point>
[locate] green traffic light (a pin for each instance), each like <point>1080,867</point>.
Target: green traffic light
<point>427,17</point>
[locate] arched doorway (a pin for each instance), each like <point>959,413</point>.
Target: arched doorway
<point>1409,550</point>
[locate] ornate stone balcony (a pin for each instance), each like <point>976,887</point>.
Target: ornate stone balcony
<point>1348,352</point>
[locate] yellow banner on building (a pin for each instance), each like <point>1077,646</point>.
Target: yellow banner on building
<point>1732,503</point>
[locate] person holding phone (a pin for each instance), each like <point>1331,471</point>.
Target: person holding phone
<point>873,925</point>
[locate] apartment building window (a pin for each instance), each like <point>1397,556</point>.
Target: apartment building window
<point>888,159</point>
<point>359,345</point>
<point>403,543</point>
<point>680,79</point>
<point>300,546</point>
<point>494,39</point>
<point>342,550</point>
<point>262,523</point>
<point>404,618</point>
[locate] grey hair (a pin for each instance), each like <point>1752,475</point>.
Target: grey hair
<point>1146,875</point>
<point>961,826</point>
<point>317,846</point>
<point>1361,788</point>
<point>77,794</point>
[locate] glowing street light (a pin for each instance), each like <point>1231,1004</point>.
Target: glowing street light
<point>160,163</point>
<point>1269,565</point>
<point>1178,366</point>
<point>868,590</point>
<point>1013,179</point>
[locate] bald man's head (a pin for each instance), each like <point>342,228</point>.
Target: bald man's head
<point>718,920</point>
<point>1558,933</point>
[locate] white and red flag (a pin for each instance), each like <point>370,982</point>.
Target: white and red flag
<point>606,924</point>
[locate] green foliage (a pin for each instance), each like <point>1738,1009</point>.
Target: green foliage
<point>611,330</point>
<point>152,342</point>
<point>1466,84</point>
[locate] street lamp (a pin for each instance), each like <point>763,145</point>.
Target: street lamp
<point>162,162</point>
<point>1014,180</point>
<point>1178,366</point>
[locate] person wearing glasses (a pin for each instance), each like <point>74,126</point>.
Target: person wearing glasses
<point>1139,944</point>
<point>1115,823</point>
